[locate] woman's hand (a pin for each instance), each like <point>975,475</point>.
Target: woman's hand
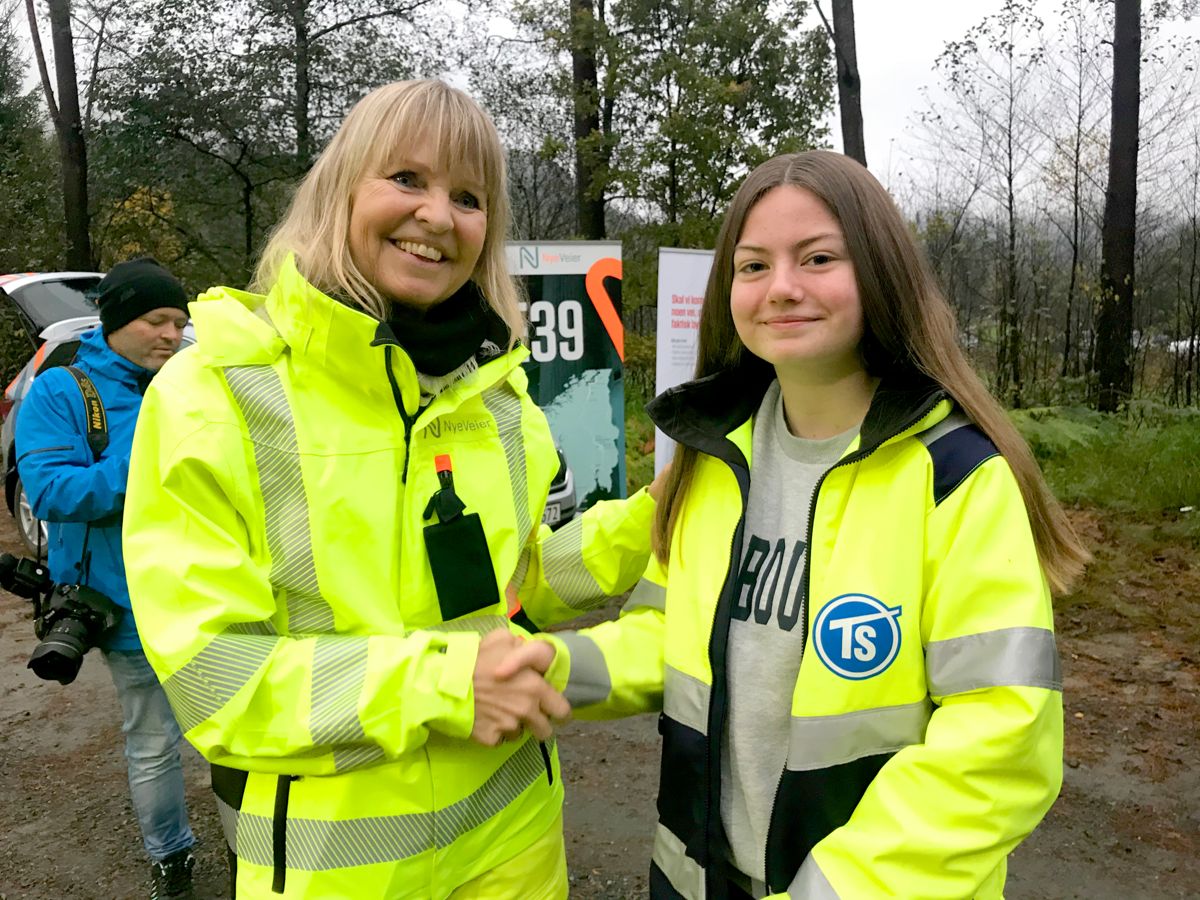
<point>510,693</point>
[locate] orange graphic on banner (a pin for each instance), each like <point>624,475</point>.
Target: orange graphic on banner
<point>603,304</point>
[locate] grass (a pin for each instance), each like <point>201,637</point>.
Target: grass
<point>1144,461</point>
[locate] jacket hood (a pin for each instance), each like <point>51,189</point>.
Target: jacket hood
<point>240,328</point>
<point>235,327</point>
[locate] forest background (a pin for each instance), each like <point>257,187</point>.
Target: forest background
<point>1052,174</point>
<point>1070,249</point>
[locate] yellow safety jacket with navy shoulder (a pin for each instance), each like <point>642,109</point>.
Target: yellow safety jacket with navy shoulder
<point>273,536</point>
<point>926,719</point>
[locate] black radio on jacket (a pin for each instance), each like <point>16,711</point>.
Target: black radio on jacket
<point>458,551</point>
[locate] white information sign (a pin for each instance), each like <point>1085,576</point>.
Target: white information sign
<point>682,275</point>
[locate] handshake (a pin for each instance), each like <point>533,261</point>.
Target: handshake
<point>511,692</point>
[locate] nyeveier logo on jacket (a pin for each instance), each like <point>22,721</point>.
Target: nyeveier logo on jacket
<point>857,636</point>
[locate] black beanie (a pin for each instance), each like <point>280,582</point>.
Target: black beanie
<point>131,289</point>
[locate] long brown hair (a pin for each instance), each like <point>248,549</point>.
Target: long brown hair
<point>316,226</point>
<point>909,329</point>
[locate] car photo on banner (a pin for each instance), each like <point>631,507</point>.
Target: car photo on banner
<point>560,502</point>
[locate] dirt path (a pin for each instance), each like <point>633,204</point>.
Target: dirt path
<point>1127,826</point>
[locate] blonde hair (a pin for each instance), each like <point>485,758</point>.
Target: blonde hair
<point>316,225</point>
<point>909,330</point>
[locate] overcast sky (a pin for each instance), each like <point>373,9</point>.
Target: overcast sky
<point>897,43</point>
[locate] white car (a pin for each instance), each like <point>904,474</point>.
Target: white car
<point>560,502</point>
<point>37,301</point>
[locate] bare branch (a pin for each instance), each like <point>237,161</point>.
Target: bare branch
<point>366,17</point>
<point>825,22</point>
<point>91,88</point>
<point>41,62</point>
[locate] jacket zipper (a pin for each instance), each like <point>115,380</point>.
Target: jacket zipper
<point>806,580</point>
<point>398,398</point>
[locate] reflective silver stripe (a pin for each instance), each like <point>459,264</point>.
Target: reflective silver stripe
<point>338,676</point>
<point>477,624</point>
<point>212,677</point>
<point>507,783</point>
<point>317,845</point>
<point>952,422</point>
<point>260,395</point>
<point>647,593</point>
<point>522,569</point>
<point>229,820</point>
<point>817,742</point>
<point>684,873</point>
<point>1006,657</point>
<point>810,883</point>
<point>589,681</point>
<point>254,841</point>
<point>568,577</point>
<point>339,664</point>
<point>685,699</point>
<point>505,407</point>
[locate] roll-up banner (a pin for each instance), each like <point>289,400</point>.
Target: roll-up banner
<point>682,275</point>
<point>577,350</point>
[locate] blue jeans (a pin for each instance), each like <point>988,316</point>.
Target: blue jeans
<point>152,750</point>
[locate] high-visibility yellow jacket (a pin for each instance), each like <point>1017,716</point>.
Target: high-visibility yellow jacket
<point>273,534</point>
<point>926,719</point>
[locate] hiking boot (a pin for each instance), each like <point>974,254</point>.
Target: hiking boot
<point>173,877</point>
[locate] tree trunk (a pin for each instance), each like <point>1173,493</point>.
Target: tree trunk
<point>1114,326</point>
<point>1176,372</point>
<point>1014,310</point>
<point>298,10</point>
<point>1068,368</point>
<point>72,149</point>
<point>247,229</point>
<point>849,85</point>
<point>589,193</point>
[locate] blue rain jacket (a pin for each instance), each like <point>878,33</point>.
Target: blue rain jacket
<point>68,487</point>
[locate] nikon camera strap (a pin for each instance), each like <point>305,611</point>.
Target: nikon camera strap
<point>97,419</point>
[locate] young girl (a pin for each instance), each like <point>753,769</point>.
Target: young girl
<point>848,623</point>
<point>330,497</point>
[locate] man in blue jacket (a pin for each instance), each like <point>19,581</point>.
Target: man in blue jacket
<point>143,312</point>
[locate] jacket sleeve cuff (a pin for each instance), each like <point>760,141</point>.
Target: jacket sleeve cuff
<point>560,668</point>
<point>456,682</point>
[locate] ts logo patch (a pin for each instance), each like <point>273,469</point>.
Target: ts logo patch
<point>857,636</point>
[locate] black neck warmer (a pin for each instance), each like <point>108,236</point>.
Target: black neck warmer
<point>442,338</point>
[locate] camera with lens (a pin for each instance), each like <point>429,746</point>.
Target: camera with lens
<point>69,619</point>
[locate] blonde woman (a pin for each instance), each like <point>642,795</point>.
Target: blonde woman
<point>331,496</point>
<point>848,621</point>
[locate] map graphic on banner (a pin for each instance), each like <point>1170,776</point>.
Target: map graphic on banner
<point>577,348</point>
<point>682,276</point>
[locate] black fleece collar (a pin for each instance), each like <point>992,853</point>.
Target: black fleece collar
<point>701,413</point>
<point>442,338</point>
